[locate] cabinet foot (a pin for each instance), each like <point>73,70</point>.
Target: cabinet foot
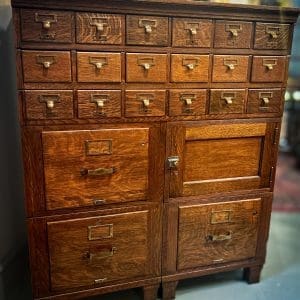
<point>169,290</point>
<point>150,292</point>
<point>252,274</point>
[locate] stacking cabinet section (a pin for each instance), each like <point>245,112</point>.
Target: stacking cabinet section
<point>206,158</point>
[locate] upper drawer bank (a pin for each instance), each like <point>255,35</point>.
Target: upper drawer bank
<point>98,28</point>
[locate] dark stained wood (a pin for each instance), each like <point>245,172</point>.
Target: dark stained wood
<point>227,101</point>
<point>144,103</point>
<point>99,104</point>
<point>268,68</point>
<point>189,32</point>
<point>230,68</point>
<point>121,155</point>
<point>272,36</point>
<point>104,157</point>
<point>187,102</point>
<point>47,26</point>
<point>265,101</point>
<point>38,104</point>
<point>98,67</point>
<point>230,34</point>
<point>96,28</point>
<point>189,68</point>
<point>46,66</point>
<point>146,30</point>
<point>141,67</point>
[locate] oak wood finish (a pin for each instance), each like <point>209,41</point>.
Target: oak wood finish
<point>150,131</point>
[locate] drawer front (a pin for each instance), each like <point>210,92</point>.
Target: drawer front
<point>46,26</point>
<point>45,104</point>
<point>223,232</point>
<point>95,167</point>
<point>272,36</point>
<point>99,104</point>
<point>189,68</point>
<point>146,30</point>
<point>46,66</point>
<point>141,67</point>
<point>95,28</point>
<point>98,67</point>
<point>187,102</point>
<point>143,103</point>
<point>265,101</point>
<point>227,101</point>
<point>96,251</point>
<point>217,158</point>
<point>268,68</point>
<point>233,68</point>
<point>231,34</point>
<point>191,33</point>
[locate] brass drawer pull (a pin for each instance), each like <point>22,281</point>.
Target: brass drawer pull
<point>273,31</point>
<point>100,254</point>
<point>45,19</point>
<point>190,63</point>
<point>228,97</point>
<point>146,62</point>
<point>234,29</point>
<point>99,281</point>
<point>98,62</point>
<point>230,63</point>
<point>219,237</point>
<point>50,100</point>
<point>101,25</point>
<point>265,97</point>
<point>46,60</point>
<point>99,100</point>
<point>98,172</point>
<point>148,25</point>
<point>145,100</point>
<point>192,28</point>
<point>269,63</point>
<point>173,162</point>
<point>187,99</point>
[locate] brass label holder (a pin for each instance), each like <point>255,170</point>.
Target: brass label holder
<point>234,31</point>
<point>148,25</point>
<point>269,63</point>
<point>98,147</point>
<point>101,25</point>
<point>46,20</point>
<point>193,29</point>
<point>146,63</point>
<point>100,100</point>
<point>98,232</point>
<point>190,63</point>
<point>220,216</point>
<point>50,100</point>
<point>98,62</point>
<point>265,98</point>
<point>228,97</point>
<point>145,102</point>
<point>230,63</point>
<point>187,100</point>
<point>46,60</point>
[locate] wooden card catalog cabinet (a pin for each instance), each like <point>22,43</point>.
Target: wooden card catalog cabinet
<point>150,134</point>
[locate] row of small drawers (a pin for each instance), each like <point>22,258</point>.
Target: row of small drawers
<point>45,104</point>
<point>55,66</point>
<point>98,28</point>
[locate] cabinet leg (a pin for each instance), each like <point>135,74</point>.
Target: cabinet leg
<point>169,290</point>
<point>150,292</point>
<point>252,274</point>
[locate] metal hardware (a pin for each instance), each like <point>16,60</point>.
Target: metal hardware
<point>269,63</point>
<point>233,29</point>
<point>190,63</point>
<point>228,97</point>
<point>145,100</point>
<point>101,25</point>
<point>99,201</point>
<point>101,254</point>
<point>146,62</point>
<point>173,162</point>
<point>220,217</point>
<point>96,232</point>
<point>219,237</point>
<point>45,19</point>
<point>265,97</point>
<point>98,172</point>
<point>98,62</point>
<point>148,25</point>
<point>272,170</point>
<point>275,135</point>
<point>46,60</point>
<point>188,101</point>
<point>230,63</point>
<point>192,28</point>
<point>273,31</point>
<point>99,100</point>
<point>98,147</point>
<point>49,100</point>
<point>101,280</point>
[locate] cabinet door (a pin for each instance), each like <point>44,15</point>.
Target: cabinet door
<point>212,158</point>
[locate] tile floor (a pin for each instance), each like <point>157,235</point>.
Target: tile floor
<point>280,277</point>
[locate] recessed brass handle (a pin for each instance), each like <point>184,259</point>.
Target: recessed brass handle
<point>98,172</point>
<point>219,237</point>
<point>100,254</point>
